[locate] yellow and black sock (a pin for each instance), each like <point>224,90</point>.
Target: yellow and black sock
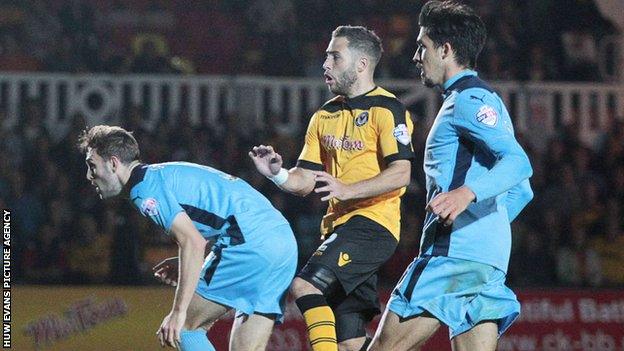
<point>320,320</point>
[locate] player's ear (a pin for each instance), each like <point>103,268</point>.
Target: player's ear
<point>115,163</point>
<point>446,50</point>
<point>362,64</point>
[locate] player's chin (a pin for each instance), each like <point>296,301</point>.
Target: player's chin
<point>426,81</point>
<point>107,194</point>
<point>335,89</point>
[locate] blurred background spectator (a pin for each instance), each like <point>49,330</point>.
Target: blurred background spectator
<point>528,40</point>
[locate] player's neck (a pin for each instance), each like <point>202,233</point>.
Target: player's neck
<point>361,86</point>
<point>125,174</point>
<point>453,70</point>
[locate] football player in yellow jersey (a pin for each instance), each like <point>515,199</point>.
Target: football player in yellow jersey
<point>358,147</point>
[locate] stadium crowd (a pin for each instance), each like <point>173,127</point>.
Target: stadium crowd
<point>529,40</point>
<point>572,234</point>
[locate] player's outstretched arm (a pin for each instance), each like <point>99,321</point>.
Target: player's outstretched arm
<point>396,176</point>
<point>191,247</point>
<point>298,181</point>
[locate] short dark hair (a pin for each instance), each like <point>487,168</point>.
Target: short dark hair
<point>110,141</point>
<point>361,39</point>
<point>457,24</point>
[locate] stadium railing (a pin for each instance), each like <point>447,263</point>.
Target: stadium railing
<point>211,99</point>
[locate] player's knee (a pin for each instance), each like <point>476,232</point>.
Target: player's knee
<point>359,344</point>
<point>380,343</point>
<point>350,345</point>
<point>314,279</point>
<point>300,287</point>
<point>375,345</point>
<point>385,341</point>
<point>196,324</point>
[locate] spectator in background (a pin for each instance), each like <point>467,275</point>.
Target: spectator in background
<point>578,264</point>
<point>88,252</point>
<point>42,26</point>
<point>610,245</point>
<point>125,236</point>
<point>540,66</point>
<point>580,56</point>
<point>272,22</point>
<point>150,56</point>
<point>49,261</point>
<point>532,259</point>
<point>77,19</point>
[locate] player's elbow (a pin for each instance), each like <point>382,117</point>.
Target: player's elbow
<point>521,166</point>
<point>527,169</point>
<point>304,191</point>
<point>195,243</point>
<point>528,195</point>
<point>402,170</point>
<point>301,182</point>
<point>404,179</point>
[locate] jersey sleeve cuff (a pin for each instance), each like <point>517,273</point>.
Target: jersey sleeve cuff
<point>480,194</point>
<point>309,165</point>
<point>398,156</point>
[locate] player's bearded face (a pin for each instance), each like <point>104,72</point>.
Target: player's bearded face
<point>101,175</point>
<point>339,67</point>
<point>108,185</point>
<point>344,81</point>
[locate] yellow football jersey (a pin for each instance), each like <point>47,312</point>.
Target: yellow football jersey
<point>354,139</point>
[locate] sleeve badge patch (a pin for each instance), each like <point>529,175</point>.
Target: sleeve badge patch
<point>401,134</point>
<point>487,115</point>
<point>149,207</point>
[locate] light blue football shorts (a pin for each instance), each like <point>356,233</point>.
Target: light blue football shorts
<point>457,292</point>
<point>252,277</point>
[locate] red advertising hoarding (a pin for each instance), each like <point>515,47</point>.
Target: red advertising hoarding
<point>51,318</point>
<point>551,320</point>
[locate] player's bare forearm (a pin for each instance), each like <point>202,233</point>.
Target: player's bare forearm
<point>396,176</point>
<point>300,182</point>
<point>191,256</point>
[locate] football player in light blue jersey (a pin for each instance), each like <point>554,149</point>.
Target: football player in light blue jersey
<point>252,261</point>
<point>477,183</point>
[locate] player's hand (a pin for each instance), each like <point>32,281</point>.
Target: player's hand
<point>169,331</point>
<point>447,206</point>
<point>333,186</point>
<point>267,161</point>
<point>167,271</point>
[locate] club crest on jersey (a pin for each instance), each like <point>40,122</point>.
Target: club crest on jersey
<point>361,119</point>
<point>487,115</point>
<point>401,134</point>
<point>149,207</point>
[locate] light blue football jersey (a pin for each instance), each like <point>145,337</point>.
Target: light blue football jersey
<point>218,204</point>
<point>472,143</point>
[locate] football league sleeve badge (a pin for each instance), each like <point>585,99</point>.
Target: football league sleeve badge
<point>401,134</point>
<point>487,115</point>
<point>149,207</point>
